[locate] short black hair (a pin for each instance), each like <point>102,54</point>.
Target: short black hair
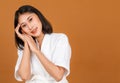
<point>46,26</point>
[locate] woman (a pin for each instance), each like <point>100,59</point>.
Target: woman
<point>43,56</point>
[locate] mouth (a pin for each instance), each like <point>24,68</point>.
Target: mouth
<point>34,30</point>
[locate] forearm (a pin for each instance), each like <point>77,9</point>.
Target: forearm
<point>24,68</point>
<point>55,71</point>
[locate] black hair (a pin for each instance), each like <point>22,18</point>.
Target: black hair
<point>46,26</point>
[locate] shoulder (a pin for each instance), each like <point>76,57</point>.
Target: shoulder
<point>58,36</point>
<point>57,39</point>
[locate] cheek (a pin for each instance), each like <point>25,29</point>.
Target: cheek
<point>38,22</point>
<point>25,31</point>
<point>40,25</point>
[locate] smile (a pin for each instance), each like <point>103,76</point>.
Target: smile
<point>34,31</point>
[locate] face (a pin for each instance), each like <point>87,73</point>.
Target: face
<point>30,24</point>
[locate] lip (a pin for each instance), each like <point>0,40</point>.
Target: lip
<point>34,30</point>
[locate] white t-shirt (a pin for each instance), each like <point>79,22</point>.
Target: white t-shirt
<point>56,48</point>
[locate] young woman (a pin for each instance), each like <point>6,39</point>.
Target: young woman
<point>43,56</point>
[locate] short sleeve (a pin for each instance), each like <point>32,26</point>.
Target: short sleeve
<point>62,53</point>
<point>17,77</point>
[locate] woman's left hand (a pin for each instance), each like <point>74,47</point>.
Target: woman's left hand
<point>31,43</point>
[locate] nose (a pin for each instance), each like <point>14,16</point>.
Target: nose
<point>30,26</point>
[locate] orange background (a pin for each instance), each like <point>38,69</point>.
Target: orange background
<point>93,28</point>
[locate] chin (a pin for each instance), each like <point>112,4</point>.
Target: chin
<point>36,35</point>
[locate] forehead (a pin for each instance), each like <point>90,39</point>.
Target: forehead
<point>23,17</point>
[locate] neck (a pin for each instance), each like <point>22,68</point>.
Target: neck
<point>40,39</point>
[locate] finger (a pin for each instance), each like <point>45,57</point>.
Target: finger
<point>27,37</point>
<point>30,37</point>
<point>17,28</point>
<point>18,33</point>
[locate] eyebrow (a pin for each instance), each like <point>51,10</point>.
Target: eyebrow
<point>27,19</point>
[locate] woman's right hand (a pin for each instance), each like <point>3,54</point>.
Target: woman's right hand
<point>21,36</point>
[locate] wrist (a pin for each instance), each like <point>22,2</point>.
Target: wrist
<point>38,52</point>
<point>25,43</point>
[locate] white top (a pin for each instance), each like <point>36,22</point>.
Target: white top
<point>55,48</point>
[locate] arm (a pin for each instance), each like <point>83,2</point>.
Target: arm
<point>24,69</point>
<point>56,72</point>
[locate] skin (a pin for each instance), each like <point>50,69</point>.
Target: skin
<point>32,27</point>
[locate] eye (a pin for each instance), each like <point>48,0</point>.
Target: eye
<point>30,19</point>
<point>23,26</point>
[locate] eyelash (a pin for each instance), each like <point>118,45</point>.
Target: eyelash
<point>23,26</point>
<point>30,19</point>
